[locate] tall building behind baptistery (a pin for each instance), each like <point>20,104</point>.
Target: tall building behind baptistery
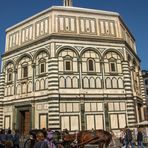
<point>69,67</point>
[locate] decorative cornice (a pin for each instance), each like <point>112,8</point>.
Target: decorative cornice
<point>75,38</point>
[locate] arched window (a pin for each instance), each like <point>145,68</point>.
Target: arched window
<point>146,82</point>
<point>68,63</point>
<point>42,66</point>
<point>108,83</point>
<point>85,82</point>
<point>91,65</point>
<point>112,65</point>
<point>9,75</point>
<point>114,83</point>
<point>24,70</point>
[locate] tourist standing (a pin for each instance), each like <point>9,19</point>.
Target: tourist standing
<point>16,139</point>
<point>50,139</point>
<point>113,143</point>
<point>41,143</point>
<point>140,138</point>
<point>128,138</point>
<point>9,139</point>
<point>2,138</point>
<point>122,137</point>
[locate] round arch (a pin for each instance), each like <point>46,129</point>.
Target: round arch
<point>113,50</point>
<point>7,63</point>
<point>39,51</point>
<point>23,55</point>
<point>90,49</point>
<point>67,47</point>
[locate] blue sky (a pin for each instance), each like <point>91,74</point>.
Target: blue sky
<point>133,12</point>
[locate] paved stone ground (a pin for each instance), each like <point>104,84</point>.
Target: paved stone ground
<point>118,145</point>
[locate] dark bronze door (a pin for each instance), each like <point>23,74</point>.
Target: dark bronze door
<point>24,120</point>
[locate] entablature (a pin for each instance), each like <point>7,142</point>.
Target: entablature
<point>68,21</point>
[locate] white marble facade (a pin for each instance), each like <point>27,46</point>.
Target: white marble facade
<point>71,68</point>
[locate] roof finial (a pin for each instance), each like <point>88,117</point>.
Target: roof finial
<point>67,3</point>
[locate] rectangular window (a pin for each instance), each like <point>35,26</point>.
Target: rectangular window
<point>122,120</point>
<point>68,65</point>
<point>94,121</point>
<point>146,82</point>
<point>114,121</point>
<point>42,67</point>
<point>24,71</point>
<point>122,106</point>
<point>43,121</point>
<point>112,66</point>
<point>9,76</point>
<point>7,122</point>
<point>111,106</point>
<point>117,120</point>
<point>117,106</point>
<point>146,91</point>
<point>91,65</point>
<point>70,122</point>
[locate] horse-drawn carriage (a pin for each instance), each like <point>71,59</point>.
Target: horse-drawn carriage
<point>78,139</point>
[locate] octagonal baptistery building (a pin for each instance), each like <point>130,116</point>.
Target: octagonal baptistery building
<point>69,67</point>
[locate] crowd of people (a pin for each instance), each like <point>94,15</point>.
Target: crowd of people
<point>44,138</point>
<point>9,139</point>
<point>126,138</point>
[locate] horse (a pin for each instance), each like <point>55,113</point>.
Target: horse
<point>80,139</point>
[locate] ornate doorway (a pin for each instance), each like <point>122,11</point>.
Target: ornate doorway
<point>24,124</point>
<point>23,119</point>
